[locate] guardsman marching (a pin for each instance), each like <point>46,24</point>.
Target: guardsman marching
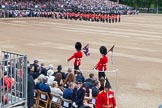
<point>119,17</point>
<point>77,55</point>
<point>102,64</point>
<point>106,98</point>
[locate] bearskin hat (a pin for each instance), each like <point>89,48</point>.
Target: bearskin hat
<point>107,85</point>
<point>78,46</point>
<point>103,50</point>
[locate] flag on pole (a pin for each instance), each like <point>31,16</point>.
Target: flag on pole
<point>112,50</point>
<point>86,50</point>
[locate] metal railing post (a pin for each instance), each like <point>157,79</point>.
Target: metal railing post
<point>13,74</point>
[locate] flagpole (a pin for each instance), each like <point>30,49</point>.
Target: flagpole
<point>112,62</point>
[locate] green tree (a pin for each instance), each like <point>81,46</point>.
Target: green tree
<point>142,3</point>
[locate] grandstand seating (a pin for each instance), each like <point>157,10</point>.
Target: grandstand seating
<point>36,98</point>
<point>66,103</point>
<point>44,9</point>
<point>56,101</point>
<point>43,99</point>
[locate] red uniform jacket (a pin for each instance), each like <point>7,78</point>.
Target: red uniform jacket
<point>105,100</point>
<point>8,82</point>
<point>77,56</point>
<point>101,65</point>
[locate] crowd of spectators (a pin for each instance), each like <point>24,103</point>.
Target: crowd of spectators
<point>11,80</point>
<point>16,8</point>
<point>75,87</point>
<point>69,85</point>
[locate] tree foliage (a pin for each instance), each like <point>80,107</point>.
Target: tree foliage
<point>142,3</point>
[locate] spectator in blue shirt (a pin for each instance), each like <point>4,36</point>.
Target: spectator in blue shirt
<point>38,81</point>
<point>43,70</point>
<point>68,92</point>
<point>79,76</point>
<point>43,86</point>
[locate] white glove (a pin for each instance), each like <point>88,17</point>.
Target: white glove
<point>74,105</point>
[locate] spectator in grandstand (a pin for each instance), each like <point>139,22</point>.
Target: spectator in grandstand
<point>10,69</point>
<point>43,70</point>
<point>91,78</point>
<point>50,80</point>
<point>77,55</point>
<point>58,78</point>
<point>87,86</point>
<point>71,9</point>
<point>30,88</point>
<point>68,92</point>
<point>33,73</point>
<point>55,89</point>
<point>28,66</point>
<point>89,82</point>
<point>1,55</point>
<point>95,89</point>
<point>80,76</point>
<point>87,99</point>
<point>19,73</point>
<point>6,56</point>
<point>36,66</point>
<point>1,74</point>
<point>43,86</point>
<point>78,95</point>
<point>59,70</point>
<point>38,81</point>
<point>50,70</point>
<point>102,82</point>
<point>70,78</point>
<point>68,72</point>
<point>8,82</point>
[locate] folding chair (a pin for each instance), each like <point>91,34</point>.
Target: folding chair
<point>55,101</point>
<point>36,98</point>
<point>43,99</point>
<point>61,87</point>
<point>66,103</point>
<point>93,101</point>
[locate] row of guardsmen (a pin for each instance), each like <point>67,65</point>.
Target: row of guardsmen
<point>98,17</point>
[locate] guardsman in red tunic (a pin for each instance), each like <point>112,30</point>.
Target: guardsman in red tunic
<point>106,98</point>
<point>77,55</point>
<point>118,17</point>
<point>101,65</point>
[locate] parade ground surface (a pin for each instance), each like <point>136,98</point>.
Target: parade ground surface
<point>137,53</point>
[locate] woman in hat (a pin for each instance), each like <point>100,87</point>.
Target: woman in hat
<point>77,55</point>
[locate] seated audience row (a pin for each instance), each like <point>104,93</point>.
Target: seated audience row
<point>75,87</point>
